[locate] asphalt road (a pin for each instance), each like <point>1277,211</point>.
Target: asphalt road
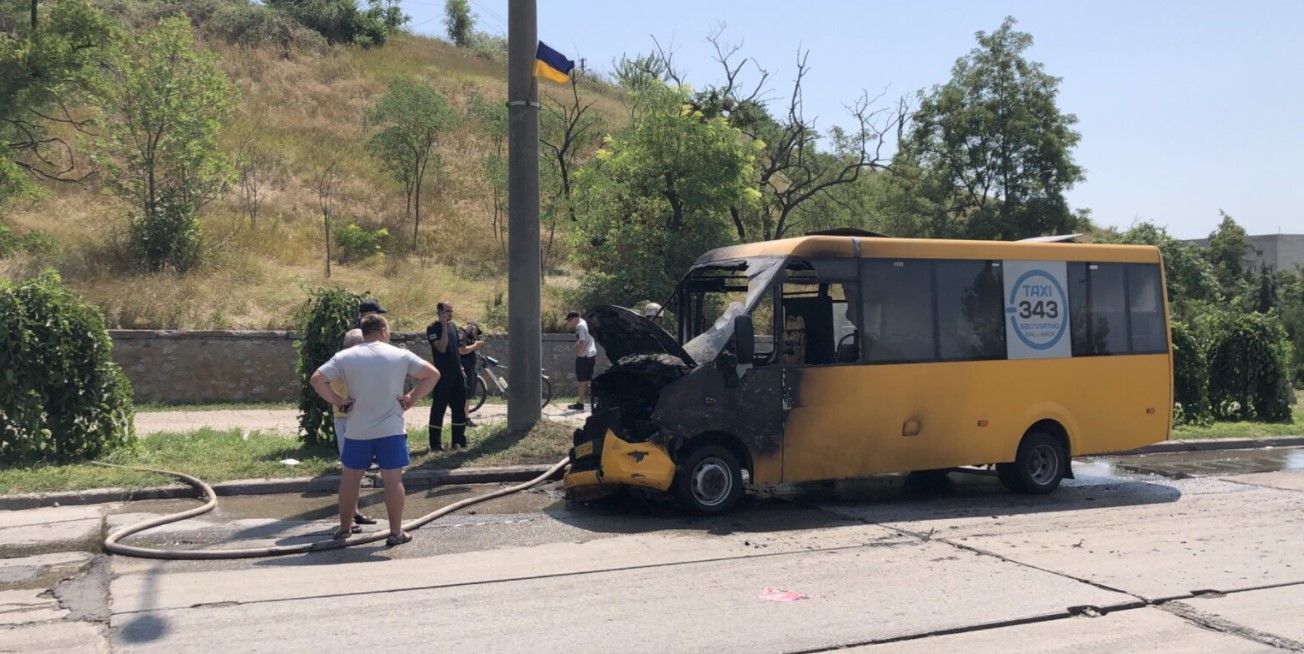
<point>1185,552</point>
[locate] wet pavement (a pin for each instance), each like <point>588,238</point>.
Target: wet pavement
<point>1129,534</point>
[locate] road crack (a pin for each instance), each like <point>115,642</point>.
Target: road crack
<point>1221,625</point>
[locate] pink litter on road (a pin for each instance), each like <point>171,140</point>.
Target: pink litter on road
<point>776,595</point>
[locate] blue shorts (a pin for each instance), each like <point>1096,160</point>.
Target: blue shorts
<point>390,452</point>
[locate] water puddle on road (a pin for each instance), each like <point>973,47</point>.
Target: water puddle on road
<point>1185,465</point>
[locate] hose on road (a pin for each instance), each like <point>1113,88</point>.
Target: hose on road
<point>112,544</point>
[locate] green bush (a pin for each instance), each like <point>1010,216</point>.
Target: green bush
<point>494,317</point>
<point>1190,377</point>
<point>61,395</point>
<point>343,21</point>
<point>323,319</point>
<point>1248,377</point>
<point>356,243</point>
<point>37,243</point>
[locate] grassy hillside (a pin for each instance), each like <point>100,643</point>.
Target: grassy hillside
<point>306,109</point>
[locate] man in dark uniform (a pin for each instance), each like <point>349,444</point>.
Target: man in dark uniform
<point>446,350</point>
<point>469,337</point>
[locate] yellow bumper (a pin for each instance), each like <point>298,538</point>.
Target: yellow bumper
<point>634,464</point>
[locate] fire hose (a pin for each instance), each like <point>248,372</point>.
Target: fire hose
<point>112,544</point>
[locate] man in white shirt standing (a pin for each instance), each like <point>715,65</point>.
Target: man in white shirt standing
<point>586,356</point>
<point>374,373</point>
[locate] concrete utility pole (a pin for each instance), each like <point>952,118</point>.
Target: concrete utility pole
<point>524,312</point>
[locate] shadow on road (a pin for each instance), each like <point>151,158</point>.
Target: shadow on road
<point>885,498</point>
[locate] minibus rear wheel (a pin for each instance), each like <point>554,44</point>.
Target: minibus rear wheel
<point>1038,467</point>
<point>710,480</point>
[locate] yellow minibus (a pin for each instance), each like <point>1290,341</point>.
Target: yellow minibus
<point>837,356</point>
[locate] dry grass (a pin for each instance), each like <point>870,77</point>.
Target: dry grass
<point>308,110</point>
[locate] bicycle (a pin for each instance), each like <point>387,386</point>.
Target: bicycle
<point>486,377</point>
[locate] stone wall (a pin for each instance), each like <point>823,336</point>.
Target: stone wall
<point>190,367</point>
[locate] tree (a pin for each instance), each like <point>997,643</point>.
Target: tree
<point>165,105</point>
<point>1228,246</point>
<point>325,181</point>
<point>492,117</point>
<point>343,21</point>
<point>657,195</point>
<point>791,169</point>
<point>411,117</point>
<point>256,169</point>
<point>47,59</point>
<point>460,22</point>
<point>996,145</point>
<point>566,131</point>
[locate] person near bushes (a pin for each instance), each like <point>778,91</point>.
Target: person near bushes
<point>446,350</point>
<point>369,307</point>
<point>341,414</point>
<point>375,372</point>
<point>586,356</point>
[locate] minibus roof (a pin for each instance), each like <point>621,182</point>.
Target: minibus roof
<point>929,248</point>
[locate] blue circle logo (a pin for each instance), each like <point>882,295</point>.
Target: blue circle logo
<point>1038,310</point>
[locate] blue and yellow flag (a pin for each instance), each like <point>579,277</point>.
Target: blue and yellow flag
<point>553,65</point>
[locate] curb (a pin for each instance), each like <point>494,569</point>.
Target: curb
<point>1213,444</point>
<point>479,475</point>
<point>321,484</point>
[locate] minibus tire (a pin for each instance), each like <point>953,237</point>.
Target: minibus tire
<point>1039,466</point>
<point>705,470</point>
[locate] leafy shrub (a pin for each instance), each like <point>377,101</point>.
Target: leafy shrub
<point>37,243</point>
<point>494,317</point>
<point>356,243</point>
<point>343,21</point>
<point>1190,377</point>
<point>323,319</point>
<point>251,24</point>
<point>61,395</point>
<point>1248,367</point>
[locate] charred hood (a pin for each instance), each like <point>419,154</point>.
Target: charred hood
<point>623,333</point>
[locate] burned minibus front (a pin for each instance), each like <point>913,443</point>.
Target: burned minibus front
<point>676,412</point>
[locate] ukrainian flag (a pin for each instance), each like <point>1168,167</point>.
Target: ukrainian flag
<point>553,65</point>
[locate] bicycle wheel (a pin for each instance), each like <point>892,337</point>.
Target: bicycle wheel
<point>546,387</point>
<point>478,395</point>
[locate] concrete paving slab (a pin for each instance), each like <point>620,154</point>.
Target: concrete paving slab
<point>57,637</point>
<point>1276,611</point>
<point>33,531</point>
<point>855,594</point>
<point>27,605</point>
<point>1167,553</point>
<point>1284,480</point>
<point>33,569</point>
<point>1157,540</point>
<point>48,516</point>
<point>146,585</point>
<point>1137,630</point>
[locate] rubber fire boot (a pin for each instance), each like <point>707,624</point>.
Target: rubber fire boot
<point>436,438</point>
<point>459,435</point>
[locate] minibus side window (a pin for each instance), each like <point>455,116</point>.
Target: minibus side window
<point>1146,309</point>
<point>970,310</point>
<point>898,311</point>
<point>819,321</point>
<point>1098,308</point>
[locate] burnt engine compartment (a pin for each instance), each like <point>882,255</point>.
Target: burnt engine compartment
<point>625,395</point>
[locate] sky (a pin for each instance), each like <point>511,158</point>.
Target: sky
<point>1185,108</point>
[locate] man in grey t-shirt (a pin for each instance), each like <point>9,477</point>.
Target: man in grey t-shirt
<point>374,373</point>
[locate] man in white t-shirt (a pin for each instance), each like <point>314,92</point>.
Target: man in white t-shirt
<point>586,356</point>
<point>374,373</point>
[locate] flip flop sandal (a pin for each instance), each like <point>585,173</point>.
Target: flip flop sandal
<point>398,539</point>
<point>340,534</point>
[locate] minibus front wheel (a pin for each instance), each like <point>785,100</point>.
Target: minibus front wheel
<point>710,480</point>
<point>1038,467</point>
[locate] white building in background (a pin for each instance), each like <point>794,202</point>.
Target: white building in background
<point>1276,251</point>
